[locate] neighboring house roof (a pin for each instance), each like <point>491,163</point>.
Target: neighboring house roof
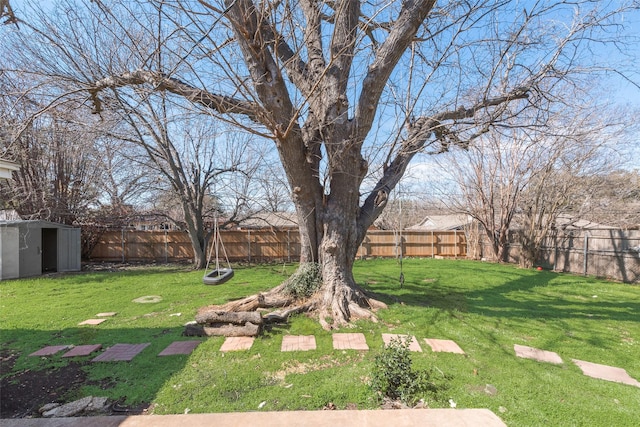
<point>566,222</point>
<point>443,222</point>
<point>6,167</point>
<point>270,220</point>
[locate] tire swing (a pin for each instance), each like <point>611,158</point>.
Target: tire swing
<point>219,275</point>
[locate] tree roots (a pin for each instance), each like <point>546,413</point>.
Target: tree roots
<point>333,310</point>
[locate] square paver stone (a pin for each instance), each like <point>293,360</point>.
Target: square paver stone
<point>237,343</point>
<point>82,350</point>
<point>537,354</point>
<point>179,347</point>
<point>92,322</point>
<point>413,345</point>
<point>604,372</point>
<point>121,352</point>
<point>298,343</point>
<point>49,350</point>
<point>108,314</point>
<point>444,346</point>
<point>355,341</point>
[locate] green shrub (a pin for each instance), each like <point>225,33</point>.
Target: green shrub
<point>305,281</point>
<point>394,378</point>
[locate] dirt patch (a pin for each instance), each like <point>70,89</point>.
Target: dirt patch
<point>25,392</point>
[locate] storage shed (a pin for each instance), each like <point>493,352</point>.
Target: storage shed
<point>31,248</point>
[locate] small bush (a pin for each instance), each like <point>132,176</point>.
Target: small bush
<point>394,378</point>
<point>305,281</point>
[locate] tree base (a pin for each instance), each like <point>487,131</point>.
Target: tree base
<point>344,305</point>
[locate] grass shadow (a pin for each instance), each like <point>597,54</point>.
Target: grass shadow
<point>29,382</point>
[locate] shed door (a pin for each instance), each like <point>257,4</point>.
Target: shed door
<point>49,250</point>
<point>69,249</point>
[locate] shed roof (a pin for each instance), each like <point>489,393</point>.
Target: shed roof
<point>33,223</point>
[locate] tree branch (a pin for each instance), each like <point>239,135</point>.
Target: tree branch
<point>420,131</point>
<point>160,82</point>
<point>404,29</point>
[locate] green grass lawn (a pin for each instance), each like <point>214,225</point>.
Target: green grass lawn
<point>485,308</point>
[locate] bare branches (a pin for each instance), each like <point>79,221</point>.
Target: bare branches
<point>159,82</point>
<point>387,56</point>
<point>7,12</point>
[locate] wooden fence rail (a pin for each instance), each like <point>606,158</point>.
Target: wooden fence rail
<point>269,245</point>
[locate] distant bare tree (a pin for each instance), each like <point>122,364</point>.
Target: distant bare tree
<point>526,177</point>
<point>58,177</point>
<point>611,197</point>
<point>191,153</point>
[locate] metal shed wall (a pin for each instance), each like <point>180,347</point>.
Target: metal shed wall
<point>29,248</point>
<point>9,260</point>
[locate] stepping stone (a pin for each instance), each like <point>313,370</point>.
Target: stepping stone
<point>148,299</point>
<point>237,343</point>
<point>179,347</point>
<point>298,343</point>
<point>604,372</point>
<point>49,350</point>
<point>109,314</point>
<point>92,322</point>
<point>82,350</point>
<point>536,354</point>
<point>355,341</point>
<point>413,345</point>
<point>444,346</point>
<point>121,352</point>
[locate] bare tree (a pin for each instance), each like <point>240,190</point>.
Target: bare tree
<point>322,79</point>
<point>191,154</point>
<point>524,177</point>
<point>58,178</point>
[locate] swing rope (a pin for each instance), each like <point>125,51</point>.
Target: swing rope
<point>401,278</point>
<point>216,242</point>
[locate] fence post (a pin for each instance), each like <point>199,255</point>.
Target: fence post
<point>433,254</point>
<point>288,245</point>
<point>249,244</point>
<point>455,244</point>
<point>166,247</point>
<point>123,245</point>
<point>555,251</point>
<point>586,251</point>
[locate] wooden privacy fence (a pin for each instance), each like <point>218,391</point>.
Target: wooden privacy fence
<point>269,245</point>
<point>606,253</point>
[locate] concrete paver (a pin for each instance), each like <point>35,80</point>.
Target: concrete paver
<point>179,347</point>
<point>413,345</point>
<point>375,418</point>
<point>121,352</point>
<point>445,346</point>
<point>237,343</point>
<point>354,341</point>
<point>298,343</point>
<point>537,354</point>
<point>107,314</point>
<point>82,350</point>
<point>49,350</point>
<point>92,322</point>
<point>604,372</point>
